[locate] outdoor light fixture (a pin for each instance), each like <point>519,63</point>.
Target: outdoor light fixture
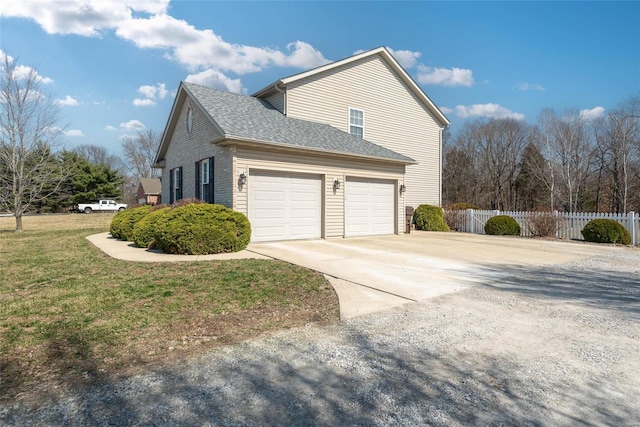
<point>242,179</point>
<point>403,188</point>
<point>336,184</point>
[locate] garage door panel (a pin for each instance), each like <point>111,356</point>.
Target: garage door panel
<point>269,196</point>
<point>264,232</point>
<point>266,214</point>
<point>301,197</point>
<point>304,214</point>
<point>369,207</point>
<point>284,206</point>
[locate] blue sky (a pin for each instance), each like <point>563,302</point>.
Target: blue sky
<point>114,67</point>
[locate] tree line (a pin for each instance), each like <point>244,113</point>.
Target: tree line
<point>565,161</point>
<point>36,175</point>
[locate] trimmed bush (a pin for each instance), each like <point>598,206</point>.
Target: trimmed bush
<point>429,218</point>
<point>143,234</point>
<point>502,225</point>
<point>116,224</point>
<point>199,229</point>
<point>606,231</point>
<point>185,202</point>
<point>122,224</point>
<point>463,206</point>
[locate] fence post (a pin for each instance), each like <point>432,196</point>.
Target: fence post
<point>632,227</point>
<point>469,226</point>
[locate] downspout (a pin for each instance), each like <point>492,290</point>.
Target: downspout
<point>440,174</point>
<point>284,97</point>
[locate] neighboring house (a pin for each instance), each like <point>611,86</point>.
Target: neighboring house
<point>336,151</point>
<point>149,191</point>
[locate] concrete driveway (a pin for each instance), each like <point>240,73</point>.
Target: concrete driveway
<point>376,273</point>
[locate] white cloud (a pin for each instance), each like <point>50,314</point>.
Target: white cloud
<point>446,110</point>
<point>216,79</point>
<point>133,125</point>
<point>109,128</point>
<point>592,114</point>
<point>3,54</point>
<point>445,76</point>
<point>81,17</point>
<point>302,55</point>
<point>147,24</point>
<point>67,102</point>
<point>530,86</point>
<point>495,111</point>
<point>73,133</point>
<point>24,72</point>
<point>140,102</point>
<point>159,90</point>
<point>406,58</point>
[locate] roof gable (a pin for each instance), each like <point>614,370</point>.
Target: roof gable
<point>151,185</point>
<point>383,53</point>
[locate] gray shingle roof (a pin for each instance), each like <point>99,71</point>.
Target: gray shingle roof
<point>252,118</point>
<point>151,185</point>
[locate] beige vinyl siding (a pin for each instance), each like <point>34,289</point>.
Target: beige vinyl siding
<point>277,100</point>
<point>330,168</point>
<point>185,149</point>
<point>394,117</point>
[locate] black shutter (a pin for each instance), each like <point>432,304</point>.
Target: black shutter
<point>171,195</point>
<point>211,180</point>
<point>179,192</point>
<point>198,195</point>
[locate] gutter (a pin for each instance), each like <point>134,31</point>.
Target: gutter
<point>233,140</point>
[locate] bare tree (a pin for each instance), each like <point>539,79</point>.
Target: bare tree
<point>494,148</point>
<point>29,172</point>
<point>571,148</point>
<point>140,152</point>
<point>98,155</point>
<point>618,139</point>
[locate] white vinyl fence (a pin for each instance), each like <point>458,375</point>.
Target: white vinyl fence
<point>569,227</point>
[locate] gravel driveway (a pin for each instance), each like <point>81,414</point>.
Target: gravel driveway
<point>556,345</point>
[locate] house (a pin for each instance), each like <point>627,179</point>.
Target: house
<point>336,151</point>
<point>149,191</point>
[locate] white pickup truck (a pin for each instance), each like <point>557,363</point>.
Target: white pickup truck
<point>101,206</point>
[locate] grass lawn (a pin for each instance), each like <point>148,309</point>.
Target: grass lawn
<point>70,315</point>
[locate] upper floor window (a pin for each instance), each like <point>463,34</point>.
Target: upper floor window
<point>356,122</point>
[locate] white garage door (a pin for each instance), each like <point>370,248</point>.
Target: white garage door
<point>369,207</point>
<point>284,206</point>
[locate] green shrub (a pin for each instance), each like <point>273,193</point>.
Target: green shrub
<point>463,206</point>
<point>502,225</point>
<point>143,234</point>
<point>122,224</point>
<point>429,218</point>
<point>198,229</point>
<point>185,202</point>
<point>116,224</point>
<point>606,231</point>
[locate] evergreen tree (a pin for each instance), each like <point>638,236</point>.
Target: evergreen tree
<point>89,182</point>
